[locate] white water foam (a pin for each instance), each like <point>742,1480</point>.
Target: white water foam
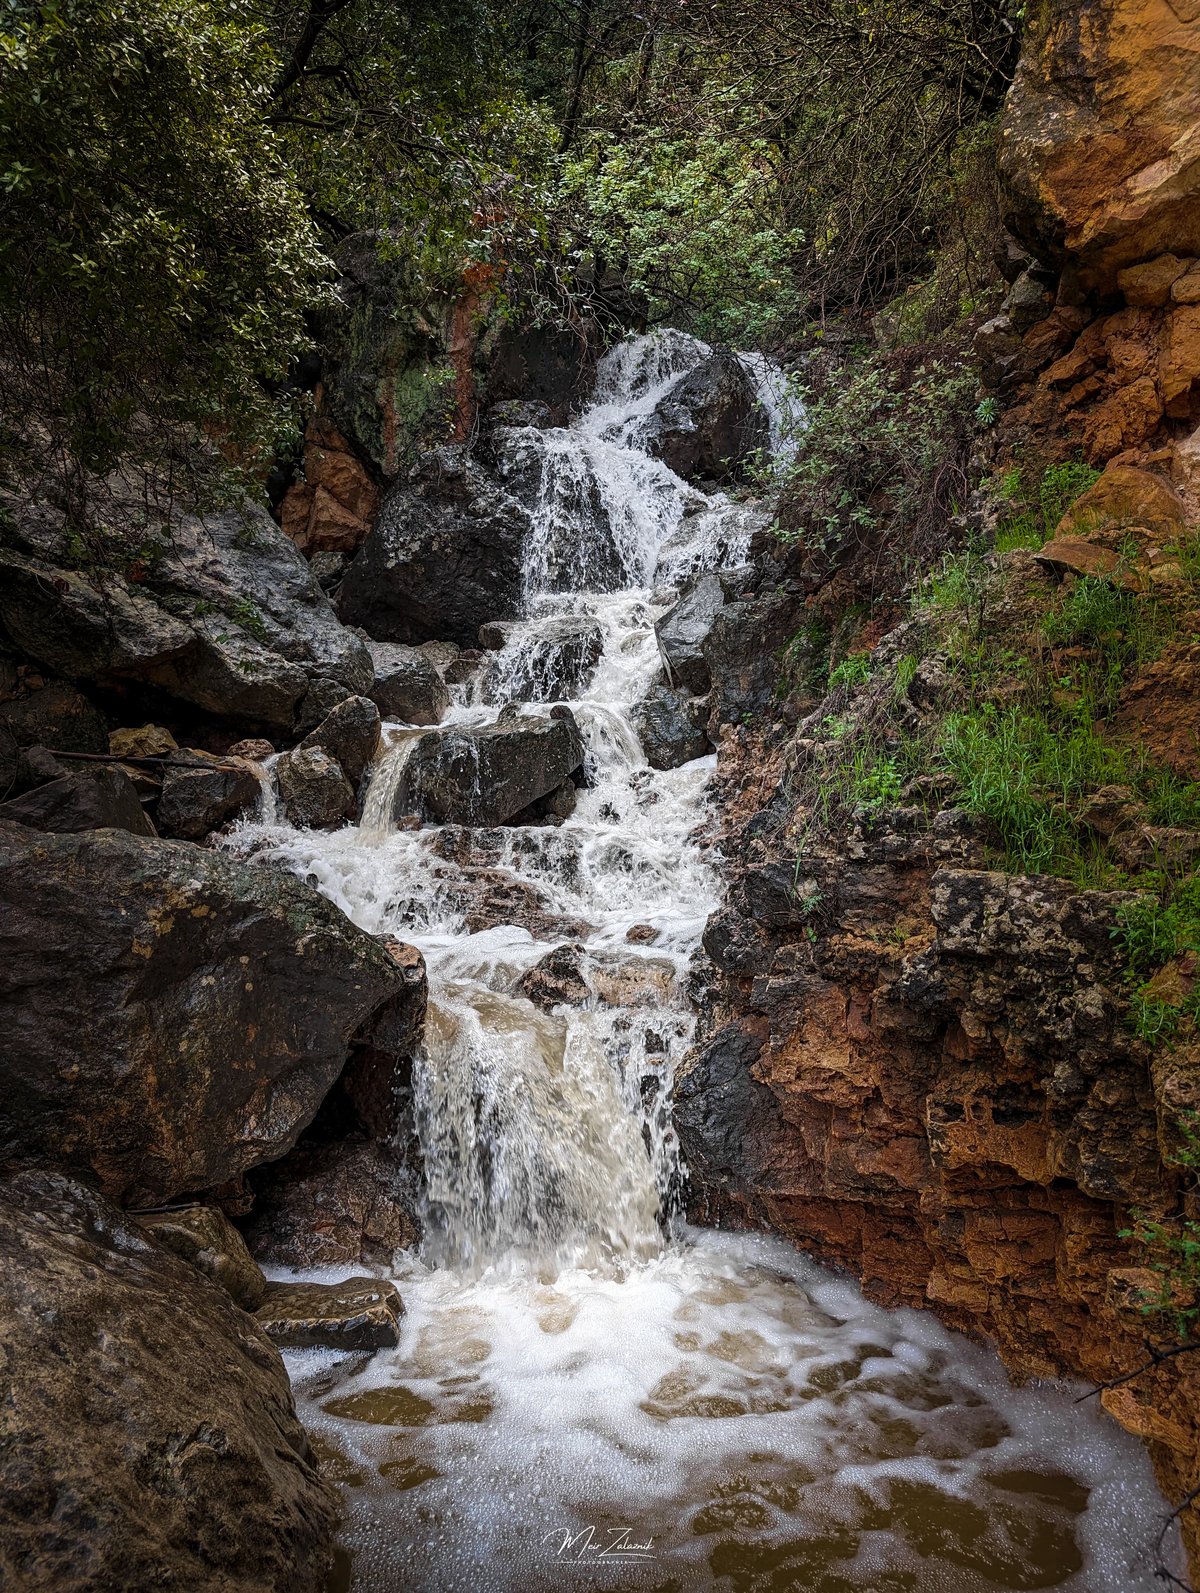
<point>568,1366</point>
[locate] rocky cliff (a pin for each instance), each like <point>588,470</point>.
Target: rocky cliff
<point>918,1065</point>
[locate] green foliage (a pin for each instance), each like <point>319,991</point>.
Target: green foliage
<point>853,670</point>
<point>1035,514</point>
<point>1172,1246</point>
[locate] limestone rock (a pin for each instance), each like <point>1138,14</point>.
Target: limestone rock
<point>671,727</point>
<point>205,1238</point>
<point>148,1437</point>
<point>359,1314</point>
<point>349,735</point>
<point>444,556</point>
<point>256,981</point>
<point>229,619</point>
<point>488,774</point>
<point>408,685</point>
<point>315,793</point>
<point>201,792</point>
<point>85,799</point>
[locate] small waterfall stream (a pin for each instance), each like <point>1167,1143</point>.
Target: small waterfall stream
<point>588,1394</point>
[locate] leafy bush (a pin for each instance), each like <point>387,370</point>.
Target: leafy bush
<point>853,670</point>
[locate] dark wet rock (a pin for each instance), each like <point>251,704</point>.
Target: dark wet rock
<point>10,763</point>
<point>440,654</point>
<point>572,975</point>
<point>349,735</point>
<point>254,748</point>
<point>204,1237</point>
<point>465,665</point>
<point>55,716</point>
<point>332,1204</point>
<point>315,793</point>
<point>444,556</point>
<point>641,934</point>
<point>494,634</point>
<point>484,775</point>
<point>200,793</point>
<point>98,798</point>
<point>408,684</point>
<point>545,370</point>
<point>359,1314</point>
<point>220,1001</point>
<point>547,663</point>
<point>710,423</point>
<point>671,727</point>
<point>149,1437</point>
<point>743,653</point>
<point>328,568</point>
<point>557,978</point>
<point>683,631</point>
<point>227,618</point>
<point>512,412</point>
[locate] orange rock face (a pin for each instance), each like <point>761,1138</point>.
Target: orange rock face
<point>1101,142</point>
<point>334,507</point>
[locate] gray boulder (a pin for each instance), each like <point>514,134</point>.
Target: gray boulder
<point>101,798</point>
<point>408,684</point>
<point>444,555</point>
<point>226,616</point>
<point>709,423</point>
<point>200,793</point>
<point>220,1002</point>
<point>150,1438</point>
<point>485,775</point>
<point>316,795</point>
<point>682,633</point>
<point>546,662</point>
<point>671,727</point>
<point>349,734</point>
<point>743,654</point>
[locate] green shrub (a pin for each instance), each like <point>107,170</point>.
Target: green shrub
<point>854,670</point>
<point>1036,514</point>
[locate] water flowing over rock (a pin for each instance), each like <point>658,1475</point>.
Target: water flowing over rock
<point>487,775</point>
<point>671,727</point>
<point>710,422</point>
<point>148,1436</point>
<point>259,981</point>
<point>227,616</point>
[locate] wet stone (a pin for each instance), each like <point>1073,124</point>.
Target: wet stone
<point>359,1314</point>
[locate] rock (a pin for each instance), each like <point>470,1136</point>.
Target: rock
<point>440,654</point>
<point>150,1439</point>
<point>10,763</point>
<point>484,775</point>
<point>146,741</point>
<point>227,618</point>
<point>1098,154</point>
<point>671,727</point>
<point>495,634</point>
<point>1159,711</point>
<point>1186,289</point>
<point>254,749</point>
<point>1125,501</point>
<point>547,662</point>
<point>195,801</point>
<point>349,736</point>
<point>543,368</point>
<point>512,412</point>
<point>1148,285</point>
<point>315,793</point>
<point>572,976</point>
<point>334,1204</point>
<point>1179,363</point>
<point>55,716</point>
<point>641,934</point>
<point>1027,302</point>
<point>328,569</point>
<point>206,1239</point>
<point>101,798</point>
<point>463,667</point>
<point>408,685</point>
<point>681,633</point>
<point>444,556</point>
<point>359,1314</point>
<point>335,505</point>
<point>1126,419</point>
<point>220,1003</point>
<point>742,652</point>
<point>710,422</point>
<point>1073,556</point>
<point>557,978</point>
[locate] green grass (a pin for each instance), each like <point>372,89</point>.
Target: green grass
<point>854,670</point>
<point>1035,515</point>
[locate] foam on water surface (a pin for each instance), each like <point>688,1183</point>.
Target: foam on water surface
<point>577,1376</point>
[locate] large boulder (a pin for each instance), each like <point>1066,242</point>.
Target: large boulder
<point>349,734</point>
<point>682,632</point>
<point>743,653</point>
<point>85,799</point>
<point>444,556</point>
<point>1100,148</point>
<point>343,1202</point>
<point>485,775</point>
<point>57,716</point>
<point>226,616</point>
<point>148,1437</point>
<point>408,684</point>
<point>315,794</point>
<point>220,1003</point>
<point>710,423</point>
<point>200,793</point>
<point>671,727</point>
<point>544,662</point>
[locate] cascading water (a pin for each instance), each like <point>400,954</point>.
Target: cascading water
<point>579,1393</point>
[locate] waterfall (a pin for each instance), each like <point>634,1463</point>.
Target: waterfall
<point>577,1369</point>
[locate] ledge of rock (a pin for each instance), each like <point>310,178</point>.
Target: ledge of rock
<point>148,1437</point>
<point>359,1314</point>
